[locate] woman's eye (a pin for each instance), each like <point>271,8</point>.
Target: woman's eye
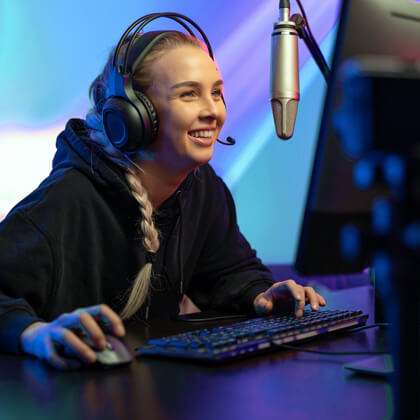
<point>188,94</point>
<point>192,94</point>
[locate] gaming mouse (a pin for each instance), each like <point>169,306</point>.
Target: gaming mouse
<point>115,353</point>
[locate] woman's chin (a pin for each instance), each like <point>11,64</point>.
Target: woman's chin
<point>201,157</point>
<point>199,154</point>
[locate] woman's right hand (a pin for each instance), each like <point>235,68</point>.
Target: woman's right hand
<point>40,339</point>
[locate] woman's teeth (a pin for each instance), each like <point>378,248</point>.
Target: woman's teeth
<point>202,133</point>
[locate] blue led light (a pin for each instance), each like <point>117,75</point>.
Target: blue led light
<point>381,216</point>
<point>411,235</point>
<point>352,119</point>
<point>364,174</point>
<point>350,242</point>
<point>382,266</point>
<point>394,170</point>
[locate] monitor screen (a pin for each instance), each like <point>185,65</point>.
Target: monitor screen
<point>370,30</point>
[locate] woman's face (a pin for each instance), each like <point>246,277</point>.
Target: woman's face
<point>187,94</point>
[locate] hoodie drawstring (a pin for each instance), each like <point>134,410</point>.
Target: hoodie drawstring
<point>180,262</point>
<point>150,257</point>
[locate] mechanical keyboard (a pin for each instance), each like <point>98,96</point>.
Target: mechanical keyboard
<point>252,336</point>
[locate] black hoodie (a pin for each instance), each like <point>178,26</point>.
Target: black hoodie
<point>74,242</point>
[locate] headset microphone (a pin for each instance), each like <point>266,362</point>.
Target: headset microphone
<point>229,141</point>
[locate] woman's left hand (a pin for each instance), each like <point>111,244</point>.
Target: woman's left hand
<point>287,291</point>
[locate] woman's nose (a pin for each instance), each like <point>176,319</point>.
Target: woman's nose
<point>208,108</point>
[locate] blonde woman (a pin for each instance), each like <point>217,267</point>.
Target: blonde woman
<point>117,235</point>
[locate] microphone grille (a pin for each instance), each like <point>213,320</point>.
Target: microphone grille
<point>284,112</point>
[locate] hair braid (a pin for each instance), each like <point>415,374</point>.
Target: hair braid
<point>151,236</point>
<point>142,282</point>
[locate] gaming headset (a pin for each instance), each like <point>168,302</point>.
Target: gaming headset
<point>129,118</point>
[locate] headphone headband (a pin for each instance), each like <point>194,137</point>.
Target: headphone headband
<point>141,23</point>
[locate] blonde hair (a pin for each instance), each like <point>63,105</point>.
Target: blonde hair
<point>142,81</point>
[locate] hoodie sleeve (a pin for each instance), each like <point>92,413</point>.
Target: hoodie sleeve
<point>26,267</point>
<point>228,274</point>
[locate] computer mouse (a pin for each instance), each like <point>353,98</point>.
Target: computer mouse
<point>114,354</point>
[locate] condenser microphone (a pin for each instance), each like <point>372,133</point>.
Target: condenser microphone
<point>229,141</point>
<point>284,75</point>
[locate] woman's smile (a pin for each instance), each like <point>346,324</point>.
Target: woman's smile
<point>203,137</point>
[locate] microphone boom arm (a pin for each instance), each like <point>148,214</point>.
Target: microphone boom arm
<point>301,28</point>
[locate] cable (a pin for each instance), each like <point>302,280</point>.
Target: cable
<point>342,353</point>
<point>306,19</point>
<point>304,31</point>
<point>333,353</point>
<point>366,327</point>
<point>316,52</point>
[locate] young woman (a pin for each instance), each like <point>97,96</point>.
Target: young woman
<point>114,235</point>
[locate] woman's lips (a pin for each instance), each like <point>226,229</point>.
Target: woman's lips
<point>201,140</point>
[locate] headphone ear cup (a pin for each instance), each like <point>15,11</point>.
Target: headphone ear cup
<point>148,106</point>
<point>129,126</point>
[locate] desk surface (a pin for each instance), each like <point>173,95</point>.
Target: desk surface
<point>286,384</point>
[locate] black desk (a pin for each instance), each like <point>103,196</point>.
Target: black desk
<point>284,385</point>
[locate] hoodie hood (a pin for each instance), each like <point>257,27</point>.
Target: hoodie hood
<point>75,149</point>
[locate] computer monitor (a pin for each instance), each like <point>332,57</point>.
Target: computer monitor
<point>366,29</point>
